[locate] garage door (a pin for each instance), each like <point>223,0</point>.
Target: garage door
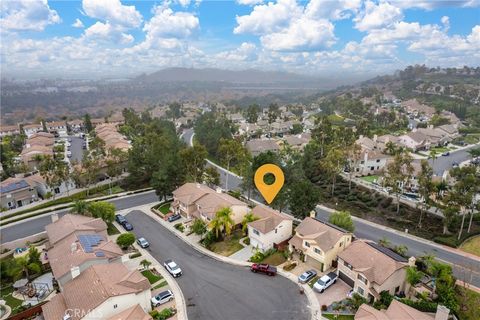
<point>346,279</point>
<point>314,263</point>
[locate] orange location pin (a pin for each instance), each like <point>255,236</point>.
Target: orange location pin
<point>269,192</point>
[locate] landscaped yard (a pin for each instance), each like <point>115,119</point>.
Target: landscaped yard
<point>339,317</point>
<point>440,149</point>
<point>275,259</point>
<point>472,245</point>
<point>165,208</point>
<point>370,179</point>
<point>229,245</point>
<point>152,278</point>
<point>6,294</point>
<point>160,285</point>
<point>468,301</point>
<point>111,229</point>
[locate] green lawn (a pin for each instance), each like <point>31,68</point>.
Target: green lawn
<point>165,208</point>
<point>152,278</point>
<point>275,259</point>
<point>160,285</point>
<point>370,179</point>
<point>471,139</point>
<point>228,246</point>
<point>472,245</point>
<point>468,302</point>
<point>111,230</point>
<point>439,149</point>
<point>312,282</point>
<point>12,302</point>
<point>340,317</point>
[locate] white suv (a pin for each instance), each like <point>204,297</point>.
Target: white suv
<point>324,282</point>
<point>172,268</point>
<point>162,297</point>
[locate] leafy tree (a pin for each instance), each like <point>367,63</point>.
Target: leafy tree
<point>252,113</point>
<point>474,152</point>
<point>80,207</point>
<point>125,240</point>
<point>333,164</point>
<point>384,242</point>
<point>87,121</point>
<point>102,209</point>
<point>210,128</point>
<point>25,267</point>
<point>398,174</point>
<point>34,255</point>
<point>323,133</point>
<point>425,188</point>
<point>222,223</point>
<point>89,171</point>
<point>193,160</point>
<point>343,219</point>
<point>115,163</point>
<point>249,217</point>
<point>211,177</point>
<point>297,128</point>
<point>303,197</point>
<point>353,152</point>
<point>232,154</point>
<point>174,110</point>
<point>273,113</point>
<point>199,227</point>
<point>53,171</point>
<point>167,178</point>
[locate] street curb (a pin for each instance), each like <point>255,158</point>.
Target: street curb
<point>312,300</point>
<point>407,235</point>
<point>177,292</point>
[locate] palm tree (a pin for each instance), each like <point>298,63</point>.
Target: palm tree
<point>433,156</point>
<point>249,217</point>
<point>384,242</point>
<point>223,222</point>
<point>145,263</point>
<point>80,207</point>
<point>25,266</point>
<point>390,148</point>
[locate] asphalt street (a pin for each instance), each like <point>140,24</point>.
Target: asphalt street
<point>443,163</point>
<point>21,230</point>
<point>76,148</point>
<point>217,291</point>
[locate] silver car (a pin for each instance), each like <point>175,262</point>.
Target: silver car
<point>307,276</point>
<point>172,268</point>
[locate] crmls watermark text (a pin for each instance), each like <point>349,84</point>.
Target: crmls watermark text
<point>80,313</point>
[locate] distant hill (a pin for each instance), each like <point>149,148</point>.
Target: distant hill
<point>221,75</point>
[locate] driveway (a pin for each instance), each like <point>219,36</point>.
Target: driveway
<point>335,292</point>
<point>243,254</point>
<point>216,290</point>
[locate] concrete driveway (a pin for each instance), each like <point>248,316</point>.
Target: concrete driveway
<point>336,292</point>
<point>216,290</point>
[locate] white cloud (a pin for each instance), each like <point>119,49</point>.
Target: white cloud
<point>78,24</point>
<point>335,10</point>
<point>303,34</point>
<point>246,52</point>
<point>113,12</point>
<point>23,15</point>
<point>268,17</point>
<point>168,24</point>
<point>249,2</point>
<point>105,31</point>
<point>377,16</point>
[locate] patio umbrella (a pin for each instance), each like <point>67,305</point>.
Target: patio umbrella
<point>20,283</point>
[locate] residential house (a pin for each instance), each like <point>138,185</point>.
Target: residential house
<point>100,292</point>
<point>258,146</point>
<point>16,193</point>
<point>76,125</point>
<point>370,269</point>
<point>69,224</point>
<point>319,242</point>
<point>297,142</point>
<point>133,313</point>
<point>97,121</point>
<point>40,139</point>
<point>59,127</point>
<point>9,131</point>
<point>30,129</point>
<point>399,311</point>
<point>38,145</point>
<point>381,142</point>
<point>369,162</point>
<point>451,130</point>
<point>435,137</point>
<point>280,128</point>
<point>366,143</point>
<point>414,141</point>
<point>236,118</point>
<point>270,230</point>
<point>38,182</point>
<point>249,129</point>
<point>194,200</point>
<point>113,139</point>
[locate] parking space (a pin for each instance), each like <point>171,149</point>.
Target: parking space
<point>335,292</point>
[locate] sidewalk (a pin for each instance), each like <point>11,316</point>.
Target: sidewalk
<point>313,302</point>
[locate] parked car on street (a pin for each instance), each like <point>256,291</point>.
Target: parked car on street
<point>172,268</point>
<point>455,165</point>
<point>127,226</point>
<point>324,282</point>
<point>446,154</point>
<point>307,276</point>
<point>175,217</point>
<point>142,242</point>
<point>162,297</point>
<point>264,268</point>
<point>120,219</point>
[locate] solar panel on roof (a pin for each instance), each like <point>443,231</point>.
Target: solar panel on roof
<point>388,252</point>
<point>14,186</point>
<point>89,240</point>
<point>100,254</point>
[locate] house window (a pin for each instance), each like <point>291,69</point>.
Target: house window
<point>115,306</point>
<point>372,168</point>
<point>360,291</point>
<point>57,190</point>
<point>362,162</point>
<point>362,278</point>
<point>317,251</point>
<point>346,264</point>
<point>307,244</point>
<point>397,289</point>
<point>341,243</point>
<point>255,231</point>
<point>276,230</point>
<point>378,160</point>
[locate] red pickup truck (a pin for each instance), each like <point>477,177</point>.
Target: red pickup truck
<point>264,268</point>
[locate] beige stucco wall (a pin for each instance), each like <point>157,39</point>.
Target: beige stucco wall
<point>107,309</point>
<point>265,241</point>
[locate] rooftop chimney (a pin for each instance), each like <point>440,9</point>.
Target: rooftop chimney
<point>411,261</point>
<point>75,272</point>
<point>73,247</point>
<point>442,313</point>
<point>313,214</point>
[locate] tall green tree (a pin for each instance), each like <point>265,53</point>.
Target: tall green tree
<point>398,174</point>
<point>193,160</point>
<point>211,177</point>
<point>303,197</point>
<point>87,122</point>
<point>115,162</point>
<point>425,188</point>
<point>209,128</point>
<point>174,110</point>
<point>231,154</point>
<point>102,209</point>
<point>333,164</point>
<point>251,115</point>
<point>222,223</point>
<point>273,112</point>
<point>80,207</point>
<point>249,217</point>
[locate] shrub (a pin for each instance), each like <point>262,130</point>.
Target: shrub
<point>199,227</point>
<point>164,314</point>
<point>289,266</point>
<point>208,239</point>
<point>258,256</point>
<point>424,306</point>
<point>448,241</point>
<point>135,255</point>
<point>179,226</point>
<point>247,241</point>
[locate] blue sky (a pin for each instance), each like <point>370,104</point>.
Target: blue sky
<point>109,38</point>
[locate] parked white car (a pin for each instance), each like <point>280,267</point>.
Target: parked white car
<point>324,282</point>
<point>162,297</point>
<point>172,268</point>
